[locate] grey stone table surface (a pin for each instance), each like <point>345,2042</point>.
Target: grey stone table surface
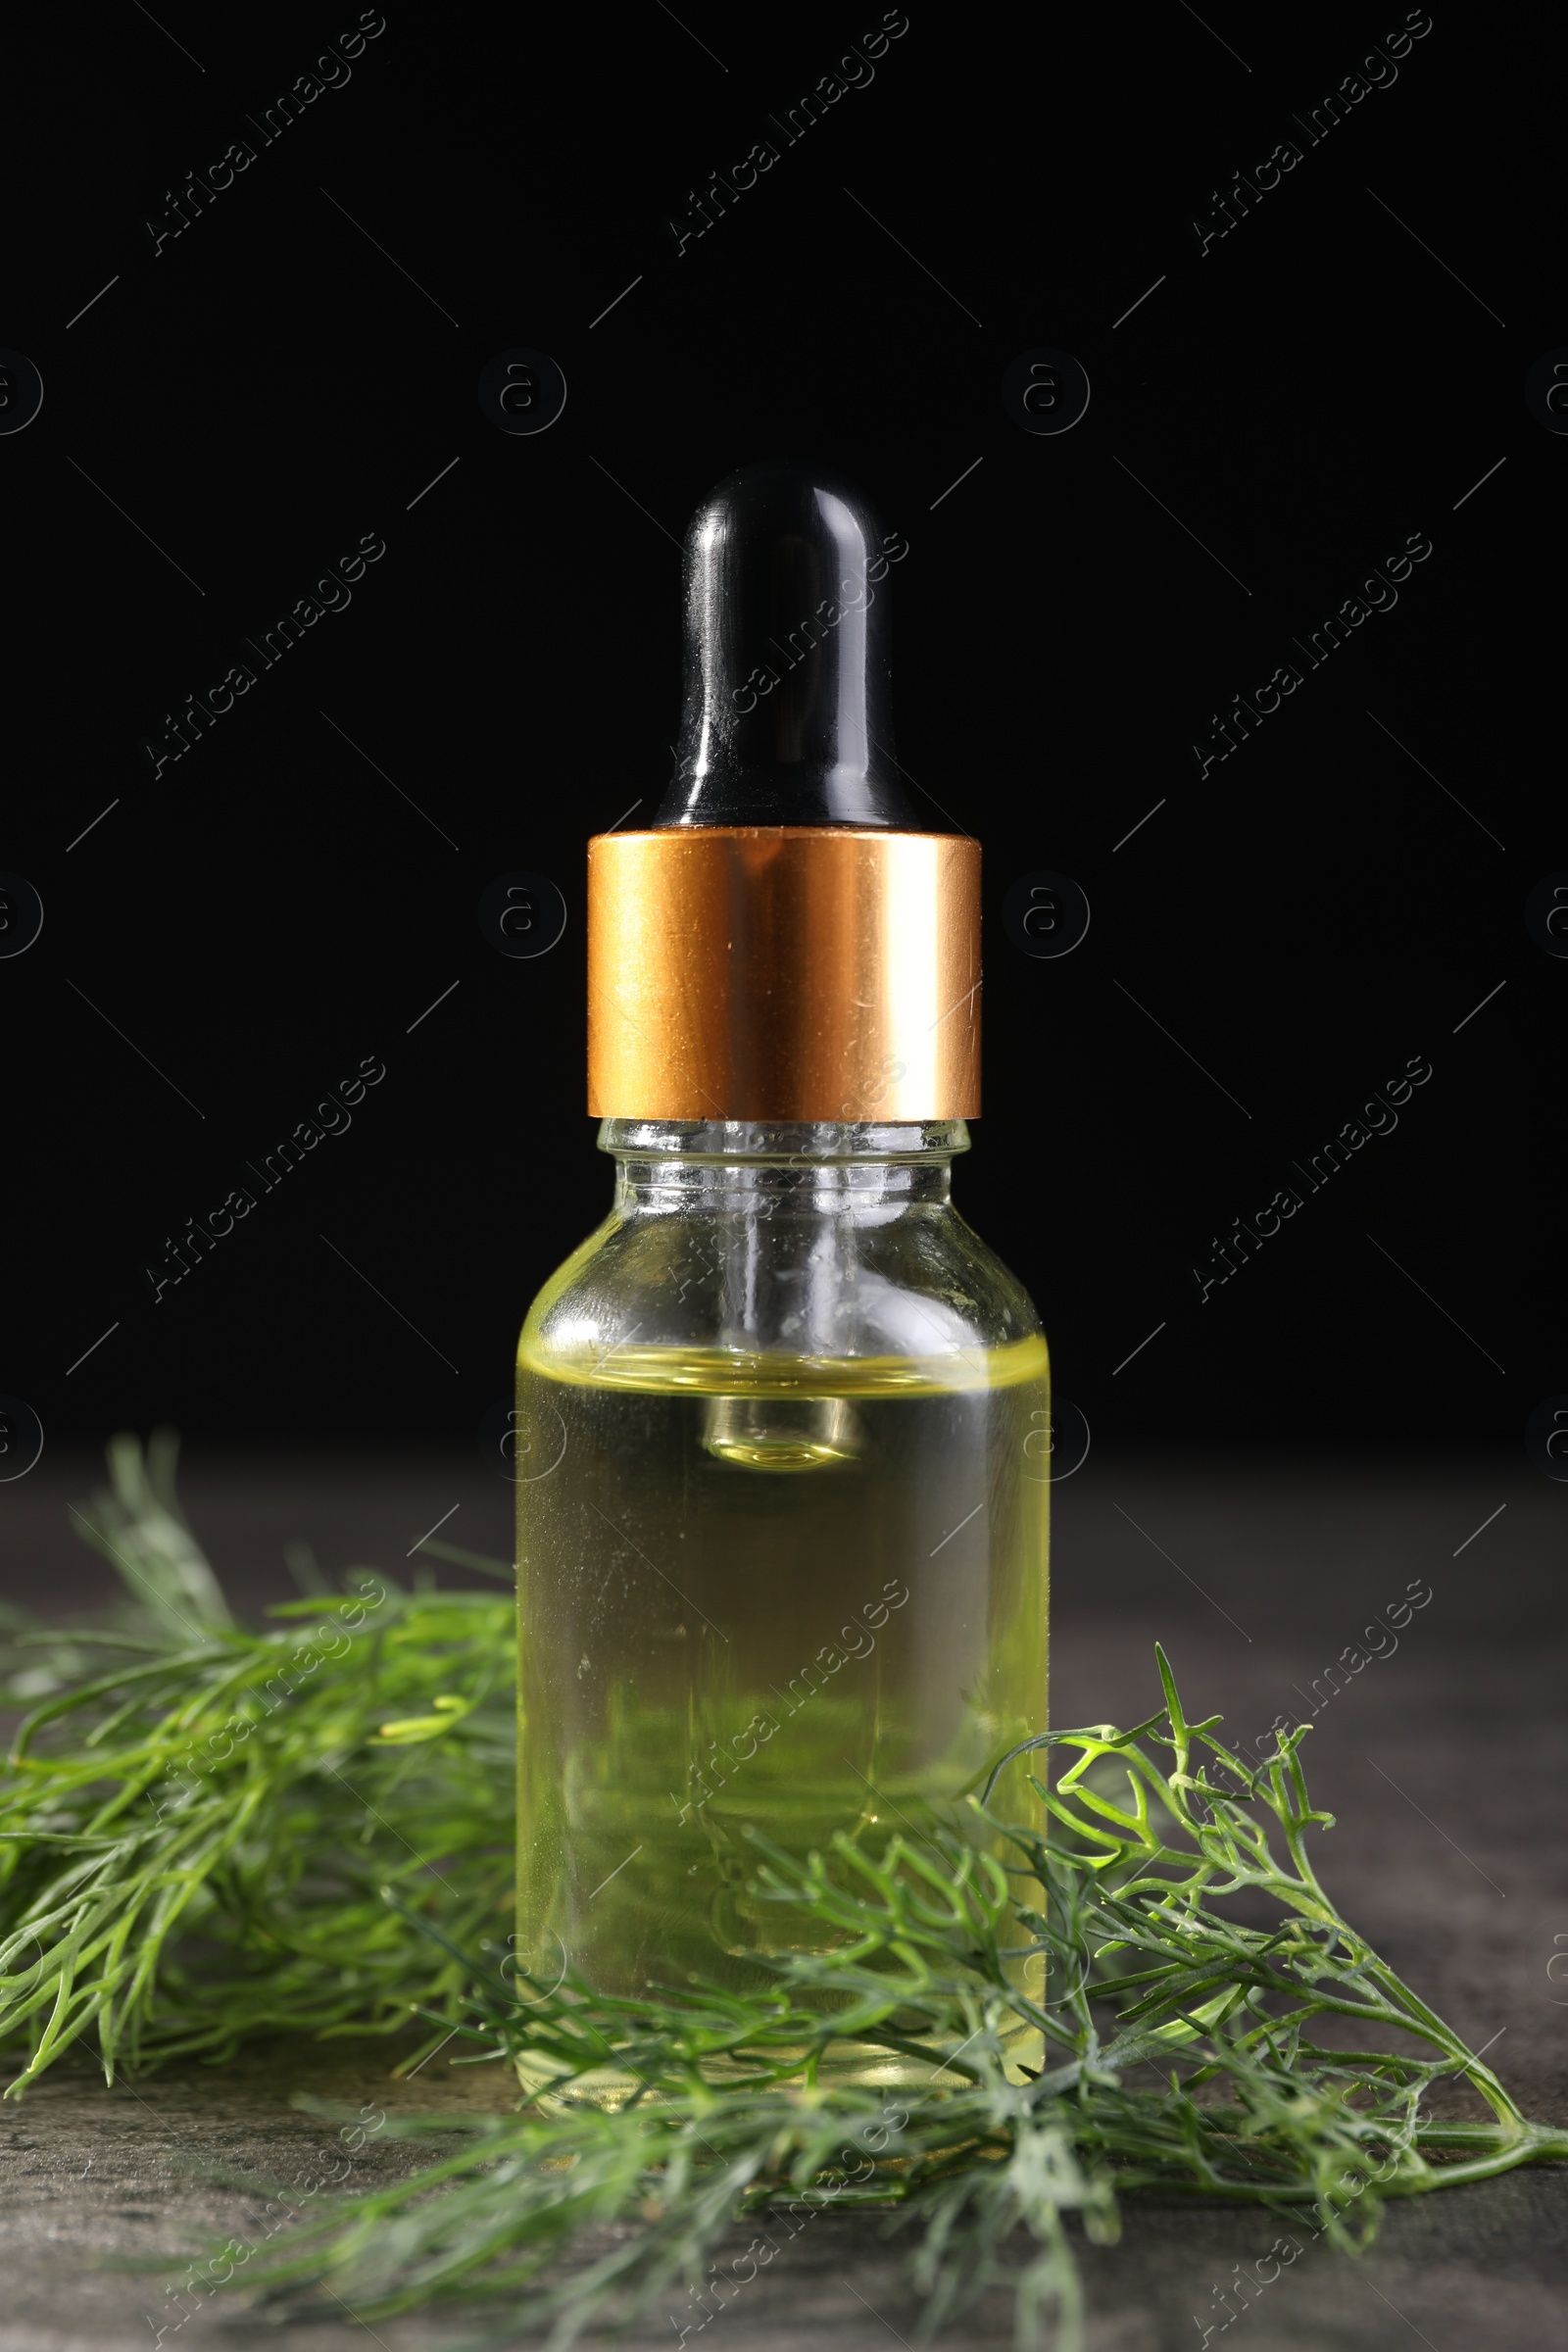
<point>1443,1760</point>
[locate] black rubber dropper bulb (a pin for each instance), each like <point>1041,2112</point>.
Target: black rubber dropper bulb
<point>787,718</point>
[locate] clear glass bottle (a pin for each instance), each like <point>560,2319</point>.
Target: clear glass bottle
<point>782,1423</point>
<point>783,1456</point>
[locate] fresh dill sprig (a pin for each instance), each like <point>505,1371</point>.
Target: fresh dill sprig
<point>335,1820</point>
<point>186,1778</point>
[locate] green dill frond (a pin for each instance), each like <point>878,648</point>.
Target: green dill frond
<point>180,1780</point>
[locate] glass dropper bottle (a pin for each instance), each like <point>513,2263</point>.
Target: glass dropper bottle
<point>783,1418</point>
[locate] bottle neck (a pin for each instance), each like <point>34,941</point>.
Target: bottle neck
<point>823,1166</point>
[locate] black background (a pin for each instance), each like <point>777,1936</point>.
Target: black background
<point>270,386</point>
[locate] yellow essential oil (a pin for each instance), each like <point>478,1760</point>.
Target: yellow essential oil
<point>781,1596</point>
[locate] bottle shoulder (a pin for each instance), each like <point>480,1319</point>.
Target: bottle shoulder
<point>886,1298</point>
